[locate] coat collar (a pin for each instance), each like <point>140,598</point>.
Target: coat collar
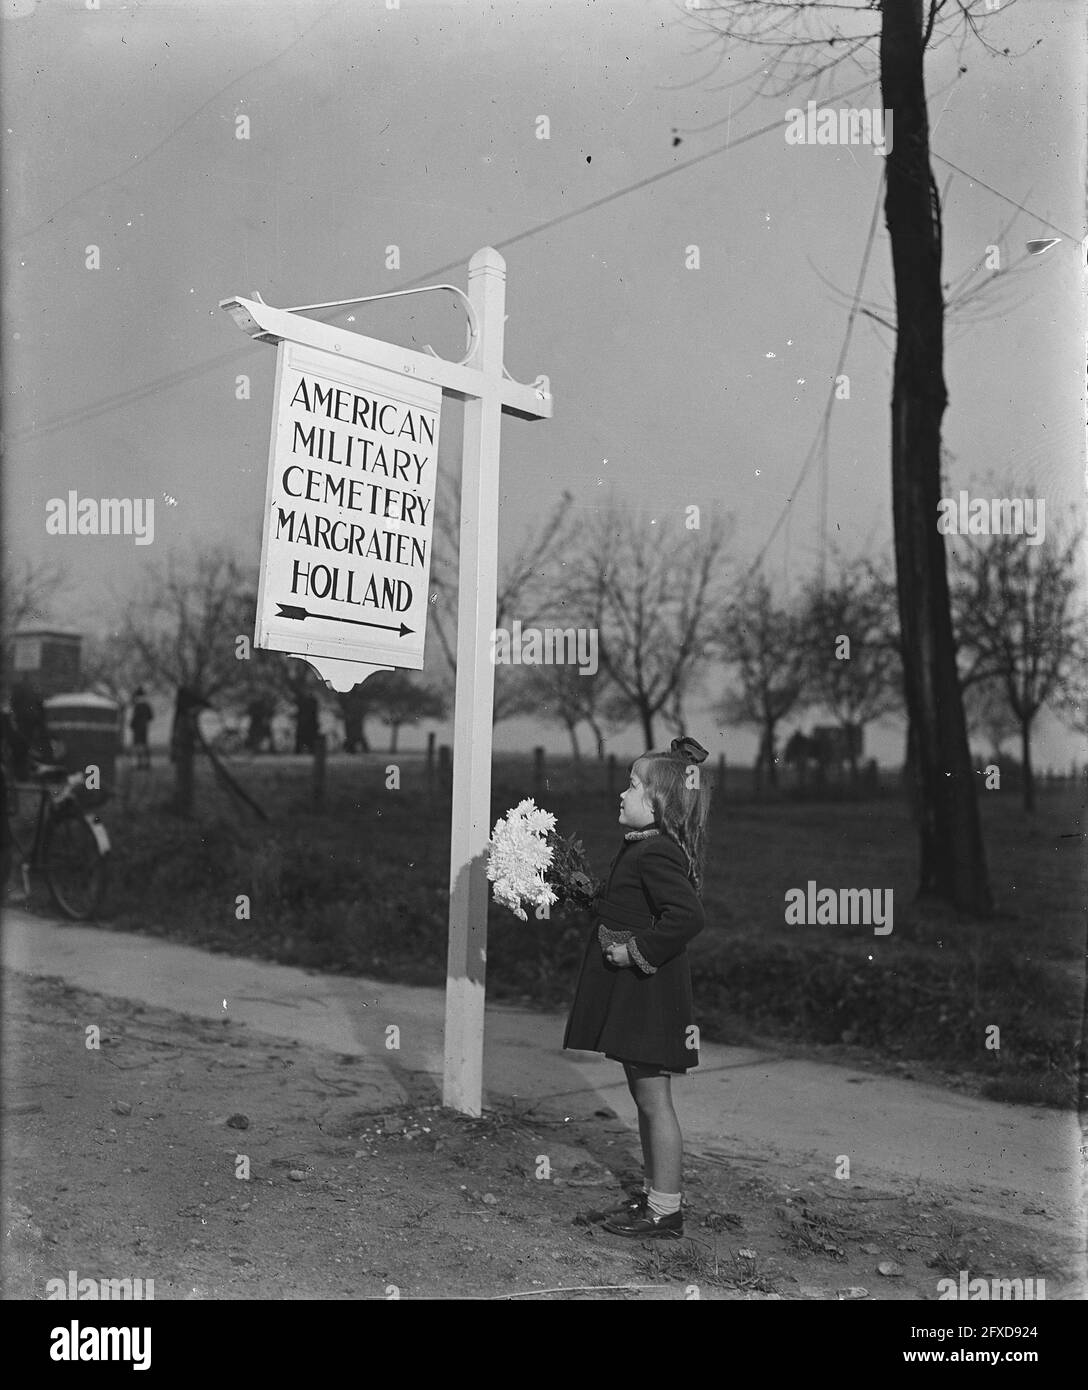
<point>642,834</point>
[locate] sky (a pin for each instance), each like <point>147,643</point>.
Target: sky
<point>418,126</point>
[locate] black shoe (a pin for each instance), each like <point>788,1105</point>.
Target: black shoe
<point>646,1226</point>
<point>632,1205</point>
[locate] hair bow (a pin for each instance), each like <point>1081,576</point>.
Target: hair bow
<point>689,748</point>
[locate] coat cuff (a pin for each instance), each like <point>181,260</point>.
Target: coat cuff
<point>639,959</point>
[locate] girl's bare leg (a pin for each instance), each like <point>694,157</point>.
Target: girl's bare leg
<point>659,1129</point>
<point>643,1132</point>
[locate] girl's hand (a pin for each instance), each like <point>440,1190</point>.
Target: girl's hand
<point>618,955</point>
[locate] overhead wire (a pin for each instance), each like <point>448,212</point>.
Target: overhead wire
<point>825,422</point>
<point>82,414</point>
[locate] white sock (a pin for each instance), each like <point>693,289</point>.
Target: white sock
<point>663,1203</point>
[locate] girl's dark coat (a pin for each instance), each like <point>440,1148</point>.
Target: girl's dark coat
<point>627,1011</point>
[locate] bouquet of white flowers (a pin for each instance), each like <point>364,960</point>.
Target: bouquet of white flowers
<point>532,866</point>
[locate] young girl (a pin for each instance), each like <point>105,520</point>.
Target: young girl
<point>633,1000</point>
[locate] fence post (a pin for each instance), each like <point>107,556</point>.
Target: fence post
<point>320,750</point>
<point>538,772</point>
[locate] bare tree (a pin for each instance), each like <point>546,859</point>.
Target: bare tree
<point>989,715</point>
<point>526,582</point>
<point>111,667</point>
<point>851,641</point>
<point>1021,622</point>
<point>764,644</point>
<point>183,629</point>
<point>399,698</point>
<point>802,41</point>
<point>562,693</point>
<point>651,594</point>
<point>1071,705</point>
<point>28,591</point>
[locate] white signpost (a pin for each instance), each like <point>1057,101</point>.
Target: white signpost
<point>346,558</point>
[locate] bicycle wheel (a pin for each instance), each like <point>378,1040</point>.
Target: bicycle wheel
<point>75,865</point>
<point>7,858</point>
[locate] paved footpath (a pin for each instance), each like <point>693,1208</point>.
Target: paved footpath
<point>999,1159</point>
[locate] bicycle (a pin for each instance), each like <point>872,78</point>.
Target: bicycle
<point>71,846</point>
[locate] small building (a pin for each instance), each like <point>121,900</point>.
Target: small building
<point>45,659</point>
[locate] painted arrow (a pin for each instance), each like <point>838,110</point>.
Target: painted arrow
<point>290,610</point>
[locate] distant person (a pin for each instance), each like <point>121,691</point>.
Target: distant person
<point>306,724</point>
<point>142,716</point>
<point>352,707</point>
<point>259,735</point>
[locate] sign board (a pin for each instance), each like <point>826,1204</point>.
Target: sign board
<point>349,511</point>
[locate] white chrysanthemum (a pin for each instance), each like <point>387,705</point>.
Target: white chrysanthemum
<point>518,855</point>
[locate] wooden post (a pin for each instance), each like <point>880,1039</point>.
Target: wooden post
<point>476,603</point>
<point>320,749</point>
<point>538,772</point>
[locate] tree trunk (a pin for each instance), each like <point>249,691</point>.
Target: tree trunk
<point>766,752</point>
<point>952,860</point>
<point>647,718</point>
<point>576,752</point>
<point>394,731</point>
<point>598,738</point>
<point>1026,773</point>
<point>185,763</point>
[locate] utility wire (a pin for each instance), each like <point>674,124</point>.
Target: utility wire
<point>83,414</point>
<point>825,423</point>
<point>149,154</point>
<point>1004,196</point>
<point>105,405</point>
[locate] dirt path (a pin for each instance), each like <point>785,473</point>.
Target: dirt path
<point>745,1102</point>
<point>123,1161</point>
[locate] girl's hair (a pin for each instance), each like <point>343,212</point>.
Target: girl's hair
<point>679,792</point>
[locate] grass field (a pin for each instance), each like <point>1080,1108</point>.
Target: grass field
<point>362,888</point>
